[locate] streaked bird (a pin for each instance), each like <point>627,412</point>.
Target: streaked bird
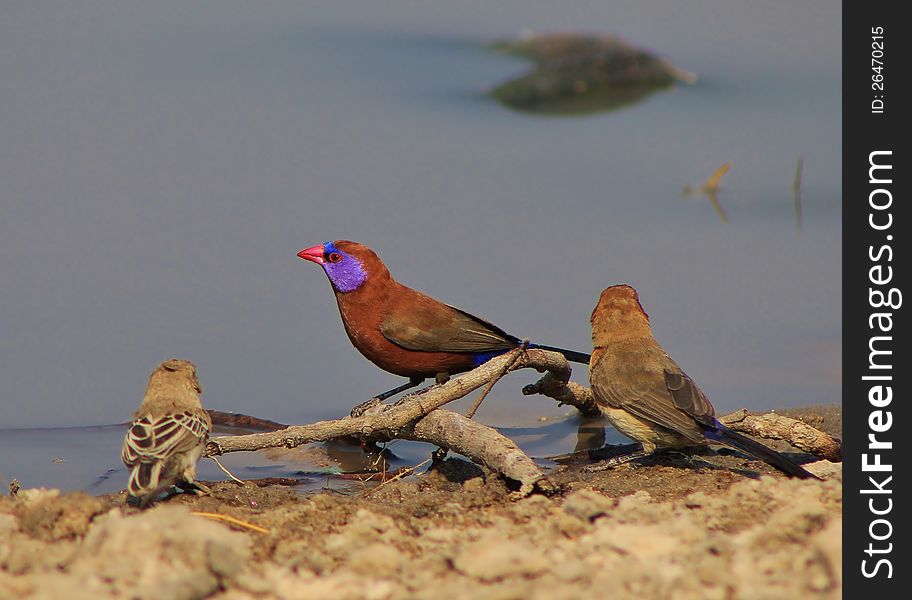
<point>168,433</point>
<point>647,396</point>
<point>402,330</point>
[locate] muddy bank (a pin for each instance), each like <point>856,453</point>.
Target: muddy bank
<point>713,526</point>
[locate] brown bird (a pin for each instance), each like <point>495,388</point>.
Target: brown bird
<point>168,434</point>
<point>647,396</point>
<point>402,330</point>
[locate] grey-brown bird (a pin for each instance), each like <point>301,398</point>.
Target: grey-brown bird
<point>168,434</point>
<point>646,395</point>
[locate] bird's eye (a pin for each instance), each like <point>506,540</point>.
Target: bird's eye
<point>334,257</point>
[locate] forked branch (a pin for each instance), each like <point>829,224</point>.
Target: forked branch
<point>418,417</point>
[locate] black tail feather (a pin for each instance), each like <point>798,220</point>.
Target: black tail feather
<point>571,355</point>
<point>786,465</point>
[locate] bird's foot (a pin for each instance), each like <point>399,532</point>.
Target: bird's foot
<point>195,487</point>
<point>140,502</point>
<point>439,455</point>
<point>683,456</point>
<point>614,462</point>
<point>365,406</point>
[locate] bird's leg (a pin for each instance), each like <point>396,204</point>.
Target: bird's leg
<point>364,406</point>
<point>691,456</point>
<point>615,461</point>
<point>439,455</point>
<point>413,382</point>
<point>140,502</point>
<point>439,380</point>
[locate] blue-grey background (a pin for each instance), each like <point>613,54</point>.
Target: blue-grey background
<point>161,163</point>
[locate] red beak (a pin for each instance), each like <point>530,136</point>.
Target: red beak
<point>314,254</point>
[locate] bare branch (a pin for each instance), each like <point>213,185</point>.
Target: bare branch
<point>415,417</point>
<point>778,427</point>
<point>565,392</point>
<point>237,420</point>
<point>483,445</point>
<point>418,417</point>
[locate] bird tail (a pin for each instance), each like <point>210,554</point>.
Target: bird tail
<point>144,478</point>
<point>728,437</point>
<point>570,355</point>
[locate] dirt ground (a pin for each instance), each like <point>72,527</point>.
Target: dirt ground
<point>701,527</point>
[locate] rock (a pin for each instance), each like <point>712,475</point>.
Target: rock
<point>32,495</point>
<point>51,516</point>
<point>492,559</point>
<point>825,469</point>
<point>587,505</point>
<point>377,560</point>
<point>8,525</point>
<point>164,552</point>
<point>580,74</point>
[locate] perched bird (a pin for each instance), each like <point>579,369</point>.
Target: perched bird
<point>402,330</point>
<point>646,395</point>
<point>168,434</point>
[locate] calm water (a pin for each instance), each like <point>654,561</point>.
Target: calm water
<point>162,163</point>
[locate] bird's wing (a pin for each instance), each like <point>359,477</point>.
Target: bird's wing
<point>658,393</point>
<point>152,439</point>
<point>690,398</point>
<point>437,327</point>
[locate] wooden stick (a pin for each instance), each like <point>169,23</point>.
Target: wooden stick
<point>778,427</point>
<point>230,519</point>
<point>565,392</point>
<point>226,471</point>
<point>419,418</point>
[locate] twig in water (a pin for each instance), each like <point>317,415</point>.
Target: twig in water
<point>710,189</point>
<point>712,184</point>
<point>226,471</point>
<point>796,191</point>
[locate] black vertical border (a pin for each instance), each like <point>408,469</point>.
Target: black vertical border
<point>864,132</point>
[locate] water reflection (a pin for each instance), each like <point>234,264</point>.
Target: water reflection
<point>88,458</point>
<point>796,192</point>
<point>590,433</point>
<point>710,190</point>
